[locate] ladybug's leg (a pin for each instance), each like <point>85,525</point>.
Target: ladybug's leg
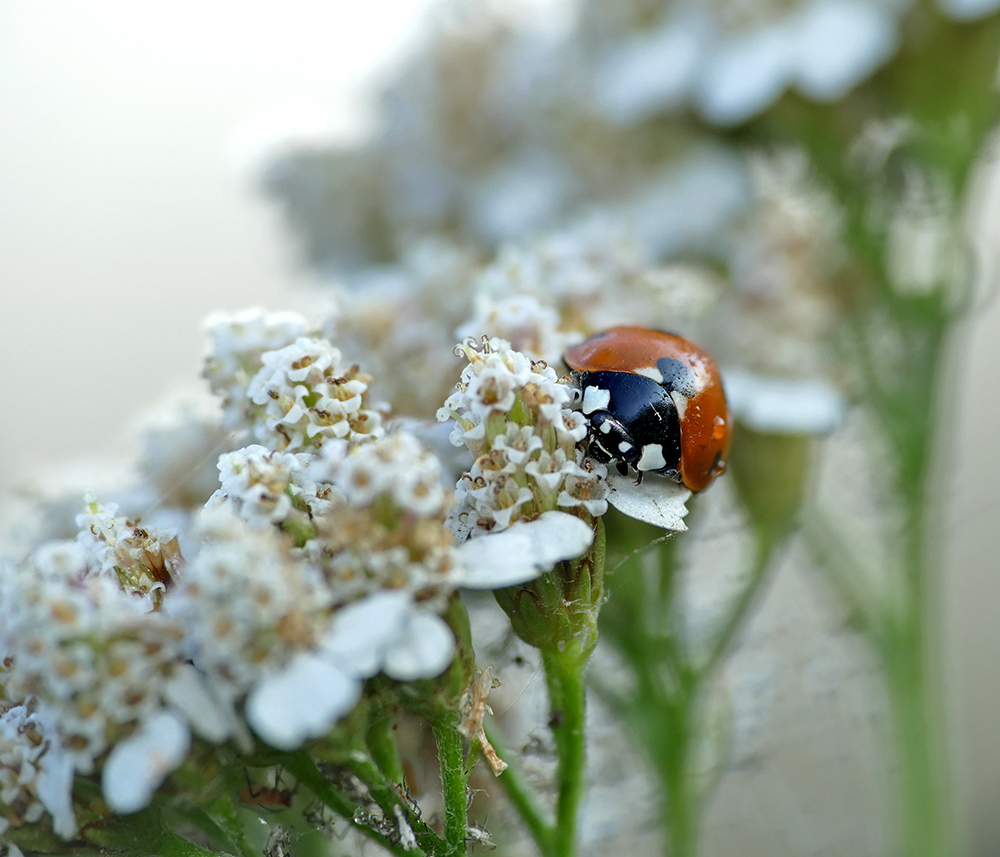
<point>611,441</point>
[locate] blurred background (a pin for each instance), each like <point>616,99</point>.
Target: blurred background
<point>127,213</point>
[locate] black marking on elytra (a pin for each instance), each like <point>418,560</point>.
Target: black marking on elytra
<point>640,412</point>
<point>677,376</point>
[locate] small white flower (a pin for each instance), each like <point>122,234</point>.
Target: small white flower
<point>143,560</point>
<point>307,395</point>
<point>236,343</point>
<point>259,482</point>
<point>136,766</point>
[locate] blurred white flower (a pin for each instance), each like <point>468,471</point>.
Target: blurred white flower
<point>778,405</point>
<point>96,655</point>
<point>271,622</point>
<point>530,326</point>
<point>36,773</point>
<point>236,343</point>
<point>968,10</point>
<point>778,316</point>
<point>732,70</point>
<point>136,766</point>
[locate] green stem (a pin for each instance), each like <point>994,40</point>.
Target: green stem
<point>301,766</point>
<point>682,810</point>
<point>220,823</point>
<point>923,802</point>
<point>567,699</point>
<point>382,746</point>
<point>171,845</point>
<point>451,756</point>
<point>386,796</point>
<point>524,802</point>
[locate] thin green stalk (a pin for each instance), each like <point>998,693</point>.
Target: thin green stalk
<point>221,824</point>
<point>923,802</point>
<point>382,746</point>
<point>301,766</point>
<point>683,805</point>
<point>171,845</point>
<point>388,799</point>
<point>567,699</point>
<point>524,802</point>
<point>451,756</point>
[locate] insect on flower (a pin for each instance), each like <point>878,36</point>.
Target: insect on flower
<point>655,402</point>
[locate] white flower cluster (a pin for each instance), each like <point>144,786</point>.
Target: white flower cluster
<point>36,774</point>
<point>595,275</point>
<point>236,344</point>
<point>732,61</point>
<point>290,391</point>
<point>779,312</point>
<point>143,560</point>
<point>515,416</point>
<point>305,395</point>
<point>313,573</point>
<point>400,323</point>
<point>522,320</point>
<point>272,621</point>
<point>98,659</point>
<point>258,481</point>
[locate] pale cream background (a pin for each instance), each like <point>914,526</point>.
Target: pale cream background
<point>124,220</point>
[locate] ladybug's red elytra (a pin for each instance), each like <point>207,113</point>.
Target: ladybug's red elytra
<point>654,401</point>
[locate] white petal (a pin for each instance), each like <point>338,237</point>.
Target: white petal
<point>657,501</point>
<point>55,789</point>
<point>746,75</point>
<point>840,43</point>
<point>522,552</point>
<point>783,405</point>
<point>967,10</point>
<point>137,765</point>
<point>363,631</point>
<point>424,650</point>
<point>189,692</point>
<point>649,72</point>
<point>302,701</point>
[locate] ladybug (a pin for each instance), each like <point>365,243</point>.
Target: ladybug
<point>655,402</point>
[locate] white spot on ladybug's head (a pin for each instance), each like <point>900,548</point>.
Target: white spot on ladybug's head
<point>680,402</point>
<point>650,372</point>
<point>624,446</point>
<point>606,427</point>
<point>651,458</point>
<point>596,399</point>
